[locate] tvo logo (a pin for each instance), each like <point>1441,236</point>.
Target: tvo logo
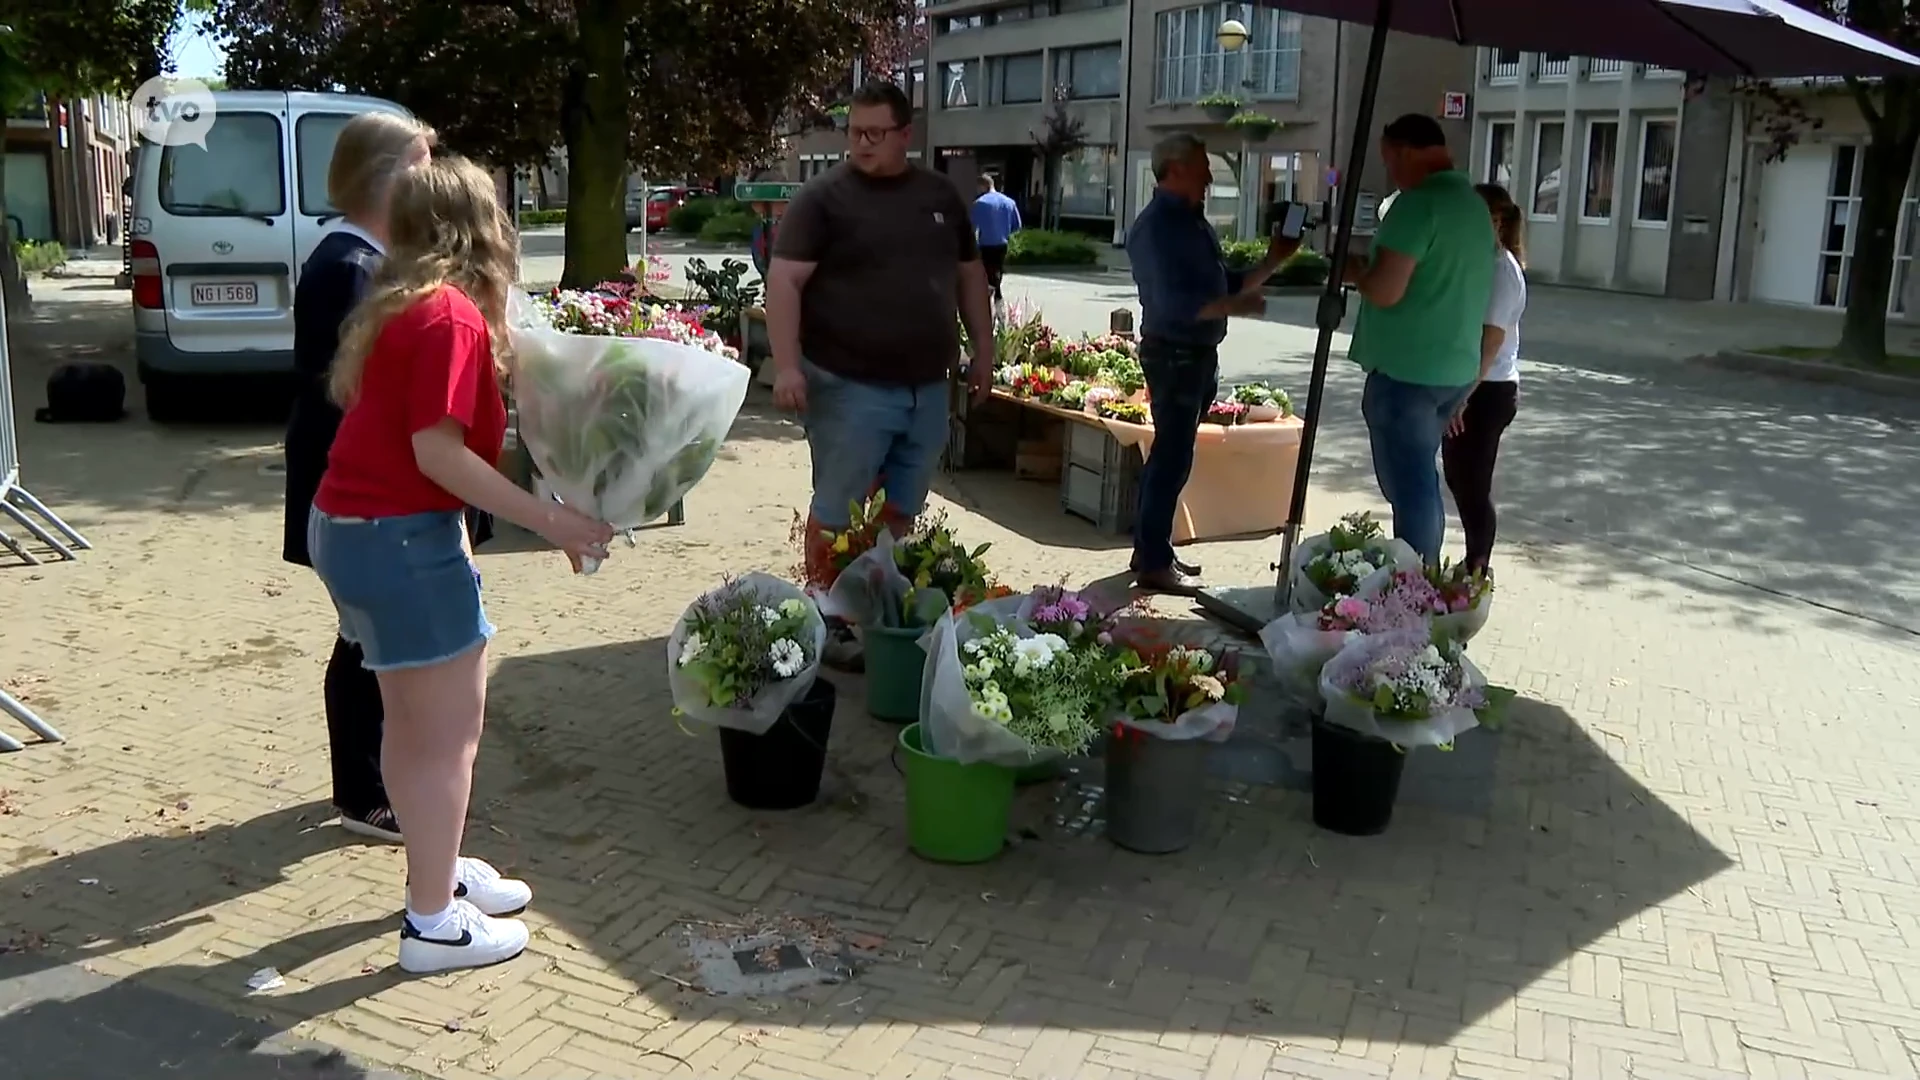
<point>174,112</point>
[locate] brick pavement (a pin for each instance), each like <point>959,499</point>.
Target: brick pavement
<point>1685,857</point>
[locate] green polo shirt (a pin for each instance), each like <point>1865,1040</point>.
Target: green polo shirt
<point>1432,336</point>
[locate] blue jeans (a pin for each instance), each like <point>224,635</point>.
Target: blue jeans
<point>405,589</point>
<point>1405,422</point>
<point>859,432</point>
<point>1181,382</point>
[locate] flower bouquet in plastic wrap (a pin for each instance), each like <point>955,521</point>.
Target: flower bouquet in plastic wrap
<point>1345,560</point>
<point>619,427</point>
<point>998,691</point>
<point>744,652</point>
<point>1300,643</point>
<point>1177,692</point>
<point>911,580</point>
<point>1462,599</point>
<point>1410,687</point>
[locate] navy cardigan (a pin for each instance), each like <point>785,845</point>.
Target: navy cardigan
<point>332,281</point>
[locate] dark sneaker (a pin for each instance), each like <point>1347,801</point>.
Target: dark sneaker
<point>377,824</point>
<point>1187,568</point>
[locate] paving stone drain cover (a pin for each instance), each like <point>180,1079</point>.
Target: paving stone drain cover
<point>762,955</point>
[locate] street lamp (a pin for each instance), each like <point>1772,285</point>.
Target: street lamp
<point>1232,35</point>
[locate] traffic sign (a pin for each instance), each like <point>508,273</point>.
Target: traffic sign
<point>1454,106</point>
<point>765,191</point>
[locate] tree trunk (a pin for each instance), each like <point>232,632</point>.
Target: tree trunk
<point>1883,184</point>
<point>595,127</point>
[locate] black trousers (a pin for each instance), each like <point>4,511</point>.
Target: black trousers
<point>994,258</point>
<point>1469,458</point>
<point>355,718</point>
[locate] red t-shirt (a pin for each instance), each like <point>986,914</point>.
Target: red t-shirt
<point>431,361</point>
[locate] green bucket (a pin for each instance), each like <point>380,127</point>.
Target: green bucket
<point>955,813</point>
<point>895,663</point>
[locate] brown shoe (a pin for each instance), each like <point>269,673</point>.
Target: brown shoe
<point>1189,569</point>
<point>1169,580</point>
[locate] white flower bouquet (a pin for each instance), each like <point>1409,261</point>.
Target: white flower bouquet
<point>1409,687</point>
<point>995,691</point>
<point>744,652</point>
<point>620,417</point>
<point>1350,558</point>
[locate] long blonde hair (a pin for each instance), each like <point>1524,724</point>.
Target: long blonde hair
<point>447,229</point>
<point>369,156</point>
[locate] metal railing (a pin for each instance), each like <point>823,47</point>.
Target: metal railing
<point>1606,69</point>
<point>1503,68</point>
<point>1553,67</point>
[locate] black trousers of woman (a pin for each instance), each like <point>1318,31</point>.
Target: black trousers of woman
<point>355,718</point>
<point>1469,458</point>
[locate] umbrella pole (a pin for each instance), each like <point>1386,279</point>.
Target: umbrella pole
<point>1331,313</point>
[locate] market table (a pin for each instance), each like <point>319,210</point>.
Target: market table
<point>1241,485</point>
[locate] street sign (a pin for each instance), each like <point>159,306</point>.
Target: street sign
<point>765,191</point>
<point>1454,106</point>
<point>1333,177</point>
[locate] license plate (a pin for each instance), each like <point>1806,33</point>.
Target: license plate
<point>226,294</point>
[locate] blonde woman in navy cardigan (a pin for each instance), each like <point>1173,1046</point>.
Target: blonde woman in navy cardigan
<point>373,150</point>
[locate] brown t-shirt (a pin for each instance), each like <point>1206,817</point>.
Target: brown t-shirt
<point>882,303</point>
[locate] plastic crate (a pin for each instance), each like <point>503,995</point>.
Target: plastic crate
<point>1100,479</point>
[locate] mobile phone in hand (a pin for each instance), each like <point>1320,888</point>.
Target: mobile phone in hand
<point>1290,223</point>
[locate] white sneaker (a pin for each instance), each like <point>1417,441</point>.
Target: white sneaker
<point>469,939</point>
<point>479,884</point>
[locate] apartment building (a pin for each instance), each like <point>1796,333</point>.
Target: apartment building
<point>66,163</point>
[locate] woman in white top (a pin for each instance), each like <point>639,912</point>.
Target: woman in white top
<point>1472,444</point>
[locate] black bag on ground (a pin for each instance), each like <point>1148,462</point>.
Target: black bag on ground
<point>86,393</point>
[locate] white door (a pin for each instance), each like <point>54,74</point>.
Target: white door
<point>1786,263</point>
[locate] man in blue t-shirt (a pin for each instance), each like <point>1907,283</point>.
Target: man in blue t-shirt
<point>995,220</point>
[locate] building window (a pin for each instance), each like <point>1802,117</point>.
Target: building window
<point>917,84</point>
<point>1087,185</point>
<point>1549,141</point>
<point>1068,7</point>
<point>1016,80</point>
<point>1653,201</point>
<point>1092,71</point>
<point>1554,66</point>
<point>1603,147</point>
<point>1189,62</point>
<point>954,24</point>
<point>960,84</point>
<point>1499,165</point>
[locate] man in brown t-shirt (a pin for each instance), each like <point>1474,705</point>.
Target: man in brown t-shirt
<point>874,265</point>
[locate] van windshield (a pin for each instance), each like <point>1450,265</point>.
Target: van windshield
<point>240,173</point>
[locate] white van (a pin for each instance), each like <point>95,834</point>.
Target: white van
<point>219,234</point>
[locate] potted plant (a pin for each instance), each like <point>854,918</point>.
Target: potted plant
<point>745,658</point>
<point>1226,413</point>
<point>1381,696</point>
<point>1264,403</point>
<point>1252,125</point>
<point>838,115</point>
<point>1219,108</point>
<point>1176,705</point>
<point>998,699</point>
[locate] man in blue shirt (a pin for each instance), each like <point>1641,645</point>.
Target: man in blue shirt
<point>995,220</point>
<point>1186,295</point>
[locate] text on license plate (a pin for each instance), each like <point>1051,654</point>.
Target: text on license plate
<point>226,294</point>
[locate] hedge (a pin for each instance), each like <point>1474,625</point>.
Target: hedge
<point>38,256</point>
<point>729,226</point>
<point>692,216</point>
<point>1304,267</point>
<point>534,219</point>
<point>1043,247</point>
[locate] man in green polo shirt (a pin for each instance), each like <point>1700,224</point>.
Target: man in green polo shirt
<point>1423,296</point>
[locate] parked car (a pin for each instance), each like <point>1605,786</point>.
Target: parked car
<point>660,202</point>
<point>219,233</point>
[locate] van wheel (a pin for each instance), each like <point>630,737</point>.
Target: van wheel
<point>167,398</point>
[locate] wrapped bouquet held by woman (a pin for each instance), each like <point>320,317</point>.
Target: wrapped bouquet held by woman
<point>622,405</point>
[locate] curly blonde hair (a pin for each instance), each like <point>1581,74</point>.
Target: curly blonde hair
<point>447,228</point>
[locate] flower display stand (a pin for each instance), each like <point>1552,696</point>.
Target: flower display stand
<point>1099,477</point>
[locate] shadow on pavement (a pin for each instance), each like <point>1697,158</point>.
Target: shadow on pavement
<point>1507,858</point>
<point>188,1012</point>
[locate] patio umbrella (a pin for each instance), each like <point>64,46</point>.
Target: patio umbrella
<point>1758,38</point>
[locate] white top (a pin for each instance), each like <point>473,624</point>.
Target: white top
<point>346,226</point>
<point>1504,308</point>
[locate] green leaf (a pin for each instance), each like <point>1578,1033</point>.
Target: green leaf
<point>1493,715</point>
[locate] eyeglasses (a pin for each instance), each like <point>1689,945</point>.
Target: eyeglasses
<point>871,136</point>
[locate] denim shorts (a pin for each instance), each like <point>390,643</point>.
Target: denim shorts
<point>406,591</point>
<point>859,432</point>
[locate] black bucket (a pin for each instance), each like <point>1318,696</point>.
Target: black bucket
<point>1356,780</point>
<point>780,769</point>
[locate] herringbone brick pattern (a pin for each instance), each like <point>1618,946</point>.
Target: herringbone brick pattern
<point>1686,857</point>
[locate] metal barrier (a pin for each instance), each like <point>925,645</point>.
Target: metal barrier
<point>20,505</point>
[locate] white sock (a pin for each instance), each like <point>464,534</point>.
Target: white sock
<point>429,926</point>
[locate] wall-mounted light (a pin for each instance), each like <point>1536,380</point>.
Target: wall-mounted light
<point>1232,35</point>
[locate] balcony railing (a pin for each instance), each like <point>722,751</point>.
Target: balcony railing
<point>1606,69</point>
<point>1554,67</point>
<point>1503,67</point>
<point>1654,71</point>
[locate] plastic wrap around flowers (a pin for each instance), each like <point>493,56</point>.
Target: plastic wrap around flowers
<point>1002,690</point>
<point>1409,687</point>
<point>744,652</point>
<point>1447,602</point>
<point>1348,559</point>
<point>620,427</point>
<point>1178,693</point>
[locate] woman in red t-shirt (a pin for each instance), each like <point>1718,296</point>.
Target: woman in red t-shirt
<point>418,374</point>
